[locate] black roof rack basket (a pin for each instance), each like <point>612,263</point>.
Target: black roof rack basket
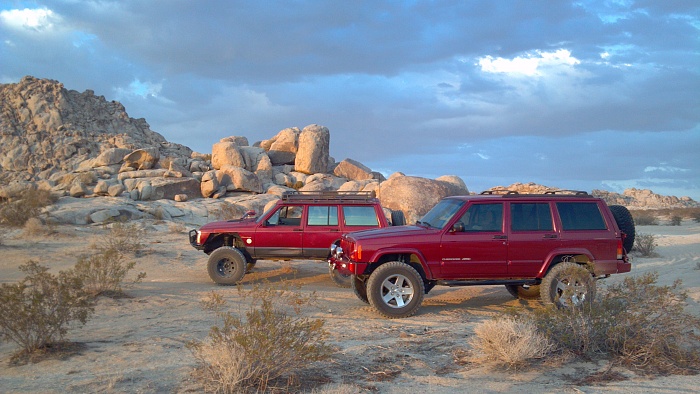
<point>329,196</point>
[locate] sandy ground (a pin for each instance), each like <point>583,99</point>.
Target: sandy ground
<point>137,344</point>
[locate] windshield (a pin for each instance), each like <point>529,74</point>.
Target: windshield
<point>441,213</point>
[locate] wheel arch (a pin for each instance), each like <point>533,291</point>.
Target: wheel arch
<point>578,256</point>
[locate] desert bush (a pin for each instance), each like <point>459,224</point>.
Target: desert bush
<point>268,343</point>
<point>176,227</point>
<point>16,212</point>
<point>645,218</point>
<point>637,322</point>
<point>645,244</point>
<point>37,311</point>
<point>676,220</point>
<point>104,273</point>
<point>122,237</point>
<point>510,341</point>
<point>696,217</point>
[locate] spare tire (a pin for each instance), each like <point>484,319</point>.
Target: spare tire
<point>625,222</point>
<point>397,218</point>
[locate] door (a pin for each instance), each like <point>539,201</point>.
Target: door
<point>281,235</point>
<point>531,238</point>
<point>476,247</point>
<point>322,228</point>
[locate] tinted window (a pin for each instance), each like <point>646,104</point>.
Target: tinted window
<point>323,215</point>
<point>530,217</point>
<point>483,217</point>
<point>287,216</point>
<point>442,213</point>
<point>360,216</point>
<point>580,216</point>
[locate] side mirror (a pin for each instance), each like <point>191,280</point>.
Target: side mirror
<point>249,214</point>
<point>458,227</point>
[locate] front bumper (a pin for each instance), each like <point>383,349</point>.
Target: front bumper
<point>194,238</point>
<point>345,266</point>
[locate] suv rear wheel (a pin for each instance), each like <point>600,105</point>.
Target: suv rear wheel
<point>395,290</point>
<point>566,285</point>
<point>531,292</point>
<point>226,265</point>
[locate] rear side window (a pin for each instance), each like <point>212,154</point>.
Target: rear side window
<point>323,215</point>
<point>531,217</point>
<point>360,216</point>
<point>580,216</point>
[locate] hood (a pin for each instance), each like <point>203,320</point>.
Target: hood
<point>397,231</point>
<point>228,225</point>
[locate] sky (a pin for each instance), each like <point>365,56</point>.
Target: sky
<point>572,94</point>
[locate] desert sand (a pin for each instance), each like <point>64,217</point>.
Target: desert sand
<point>137,344</point>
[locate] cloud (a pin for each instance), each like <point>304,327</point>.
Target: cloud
<point>40,20</point>
<point>530,64</point>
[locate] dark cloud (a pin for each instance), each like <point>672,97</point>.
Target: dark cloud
<point>399,84</point>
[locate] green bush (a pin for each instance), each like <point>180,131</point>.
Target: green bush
<point>640,324</point>
<point>37,311</point>
<point>104,273</point>
<point>269,343</point>
<point>676,220</point>
<point>16,212</point>
<point>645,244</point>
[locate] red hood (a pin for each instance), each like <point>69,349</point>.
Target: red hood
<point>226,225</point>
<point>387,232</point>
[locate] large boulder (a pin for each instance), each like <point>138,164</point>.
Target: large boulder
<point>140,159</point>
<point>226,153</point>
<point>168,188</point>
<point>322,182</point>
<point>209,184</point>
<point>415,196</point>
<point>238,179</point>
<point>282,148</point>
<point>110,156</point>
<point>353,170</point>
<point>455,184</point>
<point>314,146</point>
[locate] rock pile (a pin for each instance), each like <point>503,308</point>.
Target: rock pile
<point>78,145</point>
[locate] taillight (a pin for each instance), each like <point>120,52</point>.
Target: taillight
<point>355,252</point>
<point>619,249</point>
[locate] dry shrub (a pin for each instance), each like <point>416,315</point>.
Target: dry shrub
<point>269,343</point>
<point>177,228</point>
<point>34,227</point>
<point>104,273</point>
<point>510,341</point>
<point>645,218</point>
<point>676,220</point>
<point>37,311</point>
<point>16,212</point>
<point>645,245</point>
<point>640,324</point>
<point>122,237</point>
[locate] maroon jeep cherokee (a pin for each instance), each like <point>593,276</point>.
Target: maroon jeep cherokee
<point>300,225</point>
<point>553,246</point>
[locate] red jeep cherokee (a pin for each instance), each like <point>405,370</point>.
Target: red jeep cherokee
<point>551,246</point>
<point>300,225</point>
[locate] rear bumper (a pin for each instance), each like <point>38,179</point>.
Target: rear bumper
<point>609,267</point>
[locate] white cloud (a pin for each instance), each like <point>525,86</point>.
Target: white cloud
<point>34,20</point>
<point>665,168</point>
<point>529,65</point>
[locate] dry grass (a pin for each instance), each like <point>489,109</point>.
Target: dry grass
<point>645,245</point>
<point>510,341</point>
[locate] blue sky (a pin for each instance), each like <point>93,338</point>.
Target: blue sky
<point>582,94</point>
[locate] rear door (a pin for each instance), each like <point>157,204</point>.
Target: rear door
<point>583,227</point>
<point>322,229</point>
<point>479,249</point>
<point>532,236</point>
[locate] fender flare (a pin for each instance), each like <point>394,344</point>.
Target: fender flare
<point>550,260</point>
<point>377,255</point>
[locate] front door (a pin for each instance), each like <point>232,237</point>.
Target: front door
<point>281,235</point>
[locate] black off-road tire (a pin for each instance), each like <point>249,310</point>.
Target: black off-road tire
<point>532,292</point>
<point>397,218</point>
<point>568,285</point>
<point>625,222</point>
<point>359,287</point>
<point>226,265</point>
<point>340,279</point>
<point>395,290</point>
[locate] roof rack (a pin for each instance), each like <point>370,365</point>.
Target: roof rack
<point>506,193</point>
<point>329,196</point>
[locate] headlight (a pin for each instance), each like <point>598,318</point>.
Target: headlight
<point>338,252</point>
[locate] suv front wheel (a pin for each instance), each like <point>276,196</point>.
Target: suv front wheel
<point>566,285</point>
<point>395,290</point>
<point>226,265</point>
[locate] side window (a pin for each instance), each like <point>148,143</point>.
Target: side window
<point>360,216</point>
<point>323,215</point>
<point>483,217</point>
<point>580,216</point>
<point>530,217</point>
<point>287,216</point>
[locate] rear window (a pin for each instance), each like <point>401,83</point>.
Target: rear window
<point>580,216</point>
<point>531,217</point>
<point>325,215</point>
<point>360,216</point>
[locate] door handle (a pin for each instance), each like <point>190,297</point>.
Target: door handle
<point>500,237</point>
<point>550,236</point>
